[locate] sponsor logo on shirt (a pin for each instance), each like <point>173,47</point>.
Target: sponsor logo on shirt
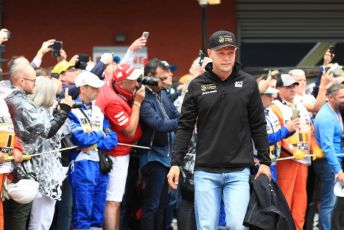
<point>238,84</point>
<point>208,88</point>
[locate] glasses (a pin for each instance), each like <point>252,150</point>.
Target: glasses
<point>32,80</point>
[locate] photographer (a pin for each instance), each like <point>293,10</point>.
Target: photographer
<point>159,119</point>
<point>120,101</point>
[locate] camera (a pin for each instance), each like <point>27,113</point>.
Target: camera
<point>82,62</point>
<point>77,105</point>
<point>147,81</point>
<point>57,46</point>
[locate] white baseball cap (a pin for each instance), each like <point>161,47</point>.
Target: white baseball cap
<point>24,191</point>
<point>88,78</point>
<point>285,80</point>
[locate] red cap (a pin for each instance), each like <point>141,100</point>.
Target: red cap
<point>126,71</point>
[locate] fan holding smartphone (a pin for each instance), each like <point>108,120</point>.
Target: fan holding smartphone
<point>145,35</point>
<point>56,48</point>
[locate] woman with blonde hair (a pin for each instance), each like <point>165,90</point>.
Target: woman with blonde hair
<point>46,167</point>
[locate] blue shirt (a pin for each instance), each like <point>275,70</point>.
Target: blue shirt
<point>328,133</point>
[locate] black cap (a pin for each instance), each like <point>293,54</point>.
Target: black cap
<point>164,65</point>
<point>221,39</point>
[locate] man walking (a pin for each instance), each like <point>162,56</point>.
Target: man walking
<point>225,105</point>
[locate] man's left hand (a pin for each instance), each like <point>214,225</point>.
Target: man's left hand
<point>264,169</point>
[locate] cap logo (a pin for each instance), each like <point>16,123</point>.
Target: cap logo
<point>225,38</point>
<point>238,84</point>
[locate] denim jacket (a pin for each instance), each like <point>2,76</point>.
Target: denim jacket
<point>158,119</point>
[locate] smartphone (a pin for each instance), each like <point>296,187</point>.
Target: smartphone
<point>201,57</point>
<point>57,46</point>
<point>145,34</point>
<point>295,114</point>
<point>82,62</point>
<point>335,69</point>
<point>8,34</point>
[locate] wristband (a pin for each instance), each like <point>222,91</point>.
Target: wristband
<point>138,104</point>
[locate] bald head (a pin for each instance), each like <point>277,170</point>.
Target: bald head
<point>23,76</point>
<point>20,71</point>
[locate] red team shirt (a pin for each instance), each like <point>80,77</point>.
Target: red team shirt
<point>117,111</point>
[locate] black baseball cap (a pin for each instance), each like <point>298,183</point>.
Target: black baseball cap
<point>221,39</point>
<point>164,65</point>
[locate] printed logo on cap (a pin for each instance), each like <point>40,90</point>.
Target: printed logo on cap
<point>225,38</point>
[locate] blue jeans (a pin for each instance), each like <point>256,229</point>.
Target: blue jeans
<point>155,196</point>
<point>210,188</point>
<point>327,197</point>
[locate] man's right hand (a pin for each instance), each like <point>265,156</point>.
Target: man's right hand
<point>173,177</point>
<point>293,125</point>
<point>140,94</point>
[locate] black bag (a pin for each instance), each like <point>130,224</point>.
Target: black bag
<point>66,154</point>
<point>105,162</point>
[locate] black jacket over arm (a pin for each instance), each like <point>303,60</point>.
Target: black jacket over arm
<point>268,209</point>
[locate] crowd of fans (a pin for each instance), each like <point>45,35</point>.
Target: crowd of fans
<point>93,143</point>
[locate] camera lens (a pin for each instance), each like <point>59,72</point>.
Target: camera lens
<point>148,81</point>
